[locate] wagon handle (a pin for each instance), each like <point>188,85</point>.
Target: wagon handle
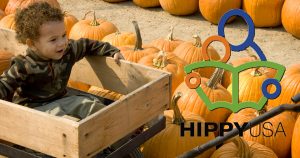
<point>296,98</point>
<point>220,139</point>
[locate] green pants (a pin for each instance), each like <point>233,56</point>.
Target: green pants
<point>76,106</point>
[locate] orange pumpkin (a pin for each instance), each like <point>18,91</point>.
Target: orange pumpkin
<point>78,85</point>
<point>108,94</point>
<point>213,10</point>
<point>226,81</point>
<point>2,14</point>
<point>120,39</point>
<point>135,53</point>
<point>264,133</point>
<point>169,144</point>
<point>167,44</point>
<point>192,52</point>
<point>167,62</point>
<point>264,13</point>
<point>94,29</point>
<point>180,7</point>
<point>8,22</point>
<point>296,140</point>
<point>146,3</point>
<point>250,83</point>
<point>13,5</point>
<point>243,149</point>
<point>3,4</point>
<point>290,86</point>
<point>290,19</point>
<point>70,21</point>
<point>191,101</point>
<point>5,59</point>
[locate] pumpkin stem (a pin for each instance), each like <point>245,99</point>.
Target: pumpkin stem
<point>86,14</point>
<point>94,21</point>
<point>198,41</point>
<point>243,147</point>
<point>256,72</point>
<point>216,78</point>
<point>139,42</point>
<point>178,118</point>
<point>250,54</point>
<point>260,112</point>
<point>170,35</point>
<point>160,61</point>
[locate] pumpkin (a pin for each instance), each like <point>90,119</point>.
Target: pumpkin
<point>104,93</point>
<point>13,5</point>
<point>226,81</point>
<point>2,14</point>
<point>180,7</point>
<point>190,100</point>
<point>5,60</point>
<point>290,86</point>
<point>8,22</point>
<point>70,21</point>
<point>94,29</point>
<point>78,85</point>
<point>264,133</point>
<point>289,18</point>
<point>135,53</point>
<point>264,13</point>
<point>243,149</point>
<point>120,38</point>
<point>250,84</point>
<point>168,62</point>
<point>192,52</point>
<point>168,143</point>
<point>114,1</point>
<point>296,140</point>
<point>3,4</point>
<point>213,10</point>
<point>146,3</point>
<point>167,44</point>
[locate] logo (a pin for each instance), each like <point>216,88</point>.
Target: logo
<point>235,106</point>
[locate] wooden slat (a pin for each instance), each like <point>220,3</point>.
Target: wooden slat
<point>122,117</point>
<point>37,130</point>
<point>105,73</point>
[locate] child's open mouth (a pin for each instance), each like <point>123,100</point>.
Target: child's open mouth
<point>60,51</point>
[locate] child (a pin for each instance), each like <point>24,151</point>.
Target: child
<point>39,79</point>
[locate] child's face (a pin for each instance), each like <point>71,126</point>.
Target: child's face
<point>52,41</point>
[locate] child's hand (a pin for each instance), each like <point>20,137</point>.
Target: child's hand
<point>117,57</point>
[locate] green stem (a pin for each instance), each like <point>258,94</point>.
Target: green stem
<point>139,42</point>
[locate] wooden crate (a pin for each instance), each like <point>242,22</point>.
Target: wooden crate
<point>146,90</point>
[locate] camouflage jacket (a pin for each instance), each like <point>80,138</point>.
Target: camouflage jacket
<point>31,79</point>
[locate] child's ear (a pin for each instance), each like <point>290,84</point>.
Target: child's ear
<point>30,43</point>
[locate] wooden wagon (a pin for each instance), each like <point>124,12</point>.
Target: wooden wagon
<point>146,95</point>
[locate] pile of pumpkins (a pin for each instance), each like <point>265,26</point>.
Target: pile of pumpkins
<point>265,13</point>
<point>172,54</point>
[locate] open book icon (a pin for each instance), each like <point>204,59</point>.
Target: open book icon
<point>235,106</point>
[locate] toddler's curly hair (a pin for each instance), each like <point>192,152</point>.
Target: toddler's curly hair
<point>29,20</point>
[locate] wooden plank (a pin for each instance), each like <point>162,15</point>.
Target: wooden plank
<point>105,73</point>
<point>124,116</point>
<point>39,131</point>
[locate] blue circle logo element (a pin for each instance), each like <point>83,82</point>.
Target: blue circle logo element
<point>249,42</point>
<point>266,83</point>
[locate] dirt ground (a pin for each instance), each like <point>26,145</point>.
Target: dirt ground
<point>278,45</point>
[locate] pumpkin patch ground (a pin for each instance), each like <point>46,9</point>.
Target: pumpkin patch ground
<point>278,45</point>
